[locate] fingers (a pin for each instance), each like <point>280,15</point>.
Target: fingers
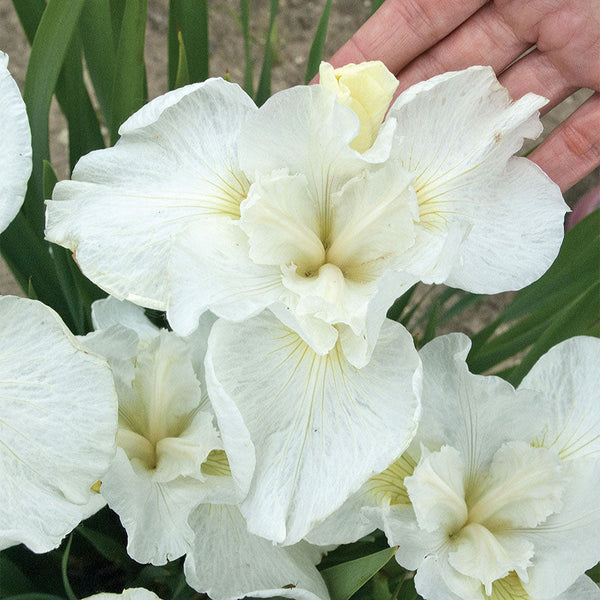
<point>536,73</point>
<point>402,29</point>
<point>484,39</point>
<point>572,150</point>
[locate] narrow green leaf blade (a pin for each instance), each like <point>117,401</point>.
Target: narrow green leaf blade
<point>264,85</point>
<point>191,20</point>
<point>375,4</point>
<point>129,87</point>
<point>74,100</point>
<point>345,579</point>
<point>397,309</point>
<point>30,13</point>
<point>248,62</point>
<point>536,310</point>
<point>48,52</point>
<point>318,44</point>
<point>99,48</point>
<point>576,319</point>
<point>183,75</point>
<point>65,577</point>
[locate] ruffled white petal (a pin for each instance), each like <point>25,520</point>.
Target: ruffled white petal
<point>227,562</point>
<point>320,426</point>
<point>568,376</point>
<point>437,491</point>
<point>567,543</point>
<point>314,140</point>
<point>474,414</point>
<point>211,269</point>
<point>15,146</point>
<point>354,519</point>
<point>57,425</point>
<point>414,544</point>
<point>176,162</point>
<point>110,311</point>
<point>522,487</point>
<point>435,579</point>
<point>456,133</point>
<point>154,514</point>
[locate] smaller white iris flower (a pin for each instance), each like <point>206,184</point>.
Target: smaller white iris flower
<point>310,206</point>
<point>496,498</point>
<point>177,479</point>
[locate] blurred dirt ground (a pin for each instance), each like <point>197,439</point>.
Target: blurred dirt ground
<point>296,24</point>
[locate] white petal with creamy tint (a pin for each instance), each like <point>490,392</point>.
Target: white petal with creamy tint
<point>320,426</point>
<point>474,414</point>
<point>227,562</point>
<point>522,487</point>
<point>460,154</point>
<point>511,588</point>
<point>110,311</point>
<point>335,254</point>
<point>15,146</point>
<point>58,421</point>
<point>435,579</point>
<point>235,289</point>
<point>567,543</point>
<point>176,162</point>
<point>153,513</point>
<point>314,139</point>
<point>437,492</point>
<point>568,376</point>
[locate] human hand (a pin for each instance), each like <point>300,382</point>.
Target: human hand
<point>417,39</point>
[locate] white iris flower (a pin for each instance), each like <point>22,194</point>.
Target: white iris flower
<point>497,495</point>
<point>177,480</point>
<point>15,146</point>
<point>58,420</point>
<point>207,202</point>
<point>320,426</point>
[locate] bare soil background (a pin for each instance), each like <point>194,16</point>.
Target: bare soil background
<point>296,25</point>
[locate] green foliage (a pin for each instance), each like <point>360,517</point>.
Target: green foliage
<point>563,303</point>
<point>65,578</point>
<point>48,51</point>
<point>345,579</point>
<point>188,19</point>
<point>264,85</point>
<point>100,47</point>
<point>248,63</point>
<point>316,50</point>
<point>129,83</point>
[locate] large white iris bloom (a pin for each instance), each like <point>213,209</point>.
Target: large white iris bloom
<point>58,420</point>
<point>177,480</point>
<point>496,498</point>
<point>207,202</point>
